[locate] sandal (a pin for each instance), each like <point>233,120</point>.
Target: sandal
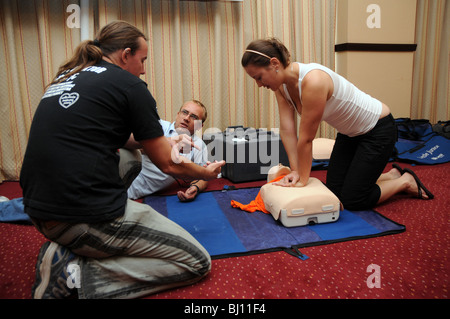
<point>420,186</point>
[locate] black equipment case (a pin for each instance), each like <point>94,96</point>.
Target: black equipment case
<point>249,153</point>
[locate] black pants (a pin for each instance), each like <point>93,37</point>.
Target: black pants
<point>357,162</point>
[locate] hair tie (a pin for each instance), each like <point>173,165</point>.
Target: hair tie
<point>257,52</point>
<point>96,43</point>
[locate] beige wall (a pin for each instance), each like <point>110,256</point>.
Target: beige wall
<point>384,75</point>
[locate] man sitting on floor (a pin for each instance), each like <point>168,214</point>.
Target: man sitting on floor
<point>151,179</point>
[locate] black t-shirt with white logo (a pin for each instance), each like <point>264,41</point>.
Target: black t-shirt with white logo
<point>70,170</point>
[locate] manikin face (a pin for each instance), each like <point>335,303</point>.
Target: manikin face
<point>189,113</point>
<point>265,76</point>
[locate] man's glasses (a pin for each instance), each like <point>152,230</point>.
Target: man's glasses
<point>191,115</point>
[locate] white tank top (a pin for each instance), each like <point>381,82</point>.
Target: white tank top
<point>349,110</point>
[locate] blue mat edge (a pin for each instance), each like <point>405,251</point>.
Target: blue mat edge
<point>294,249</point>
<point>402,228</point>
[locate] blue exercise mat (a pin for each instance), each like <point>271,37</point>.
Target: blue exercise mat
<point>225,231</point>
<point>12,211</point>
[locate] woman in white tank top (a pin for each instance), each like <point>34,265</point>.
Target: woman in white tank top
<point>367,130</point>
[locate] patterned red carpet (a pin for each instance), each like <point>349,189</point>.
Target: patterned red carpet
<point>411,265</point>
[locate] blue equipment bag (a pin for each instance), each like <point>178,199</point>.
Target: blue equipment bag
<point>419,143</point>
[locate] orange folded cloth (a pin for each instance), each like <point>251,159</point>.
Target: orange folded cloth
<point>257,203</point>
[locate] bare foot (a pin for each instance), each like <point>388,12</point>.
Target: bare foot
<point>393,174</point>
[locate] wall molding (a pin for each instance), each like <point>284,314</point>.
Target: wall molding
<point>375,47</point>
